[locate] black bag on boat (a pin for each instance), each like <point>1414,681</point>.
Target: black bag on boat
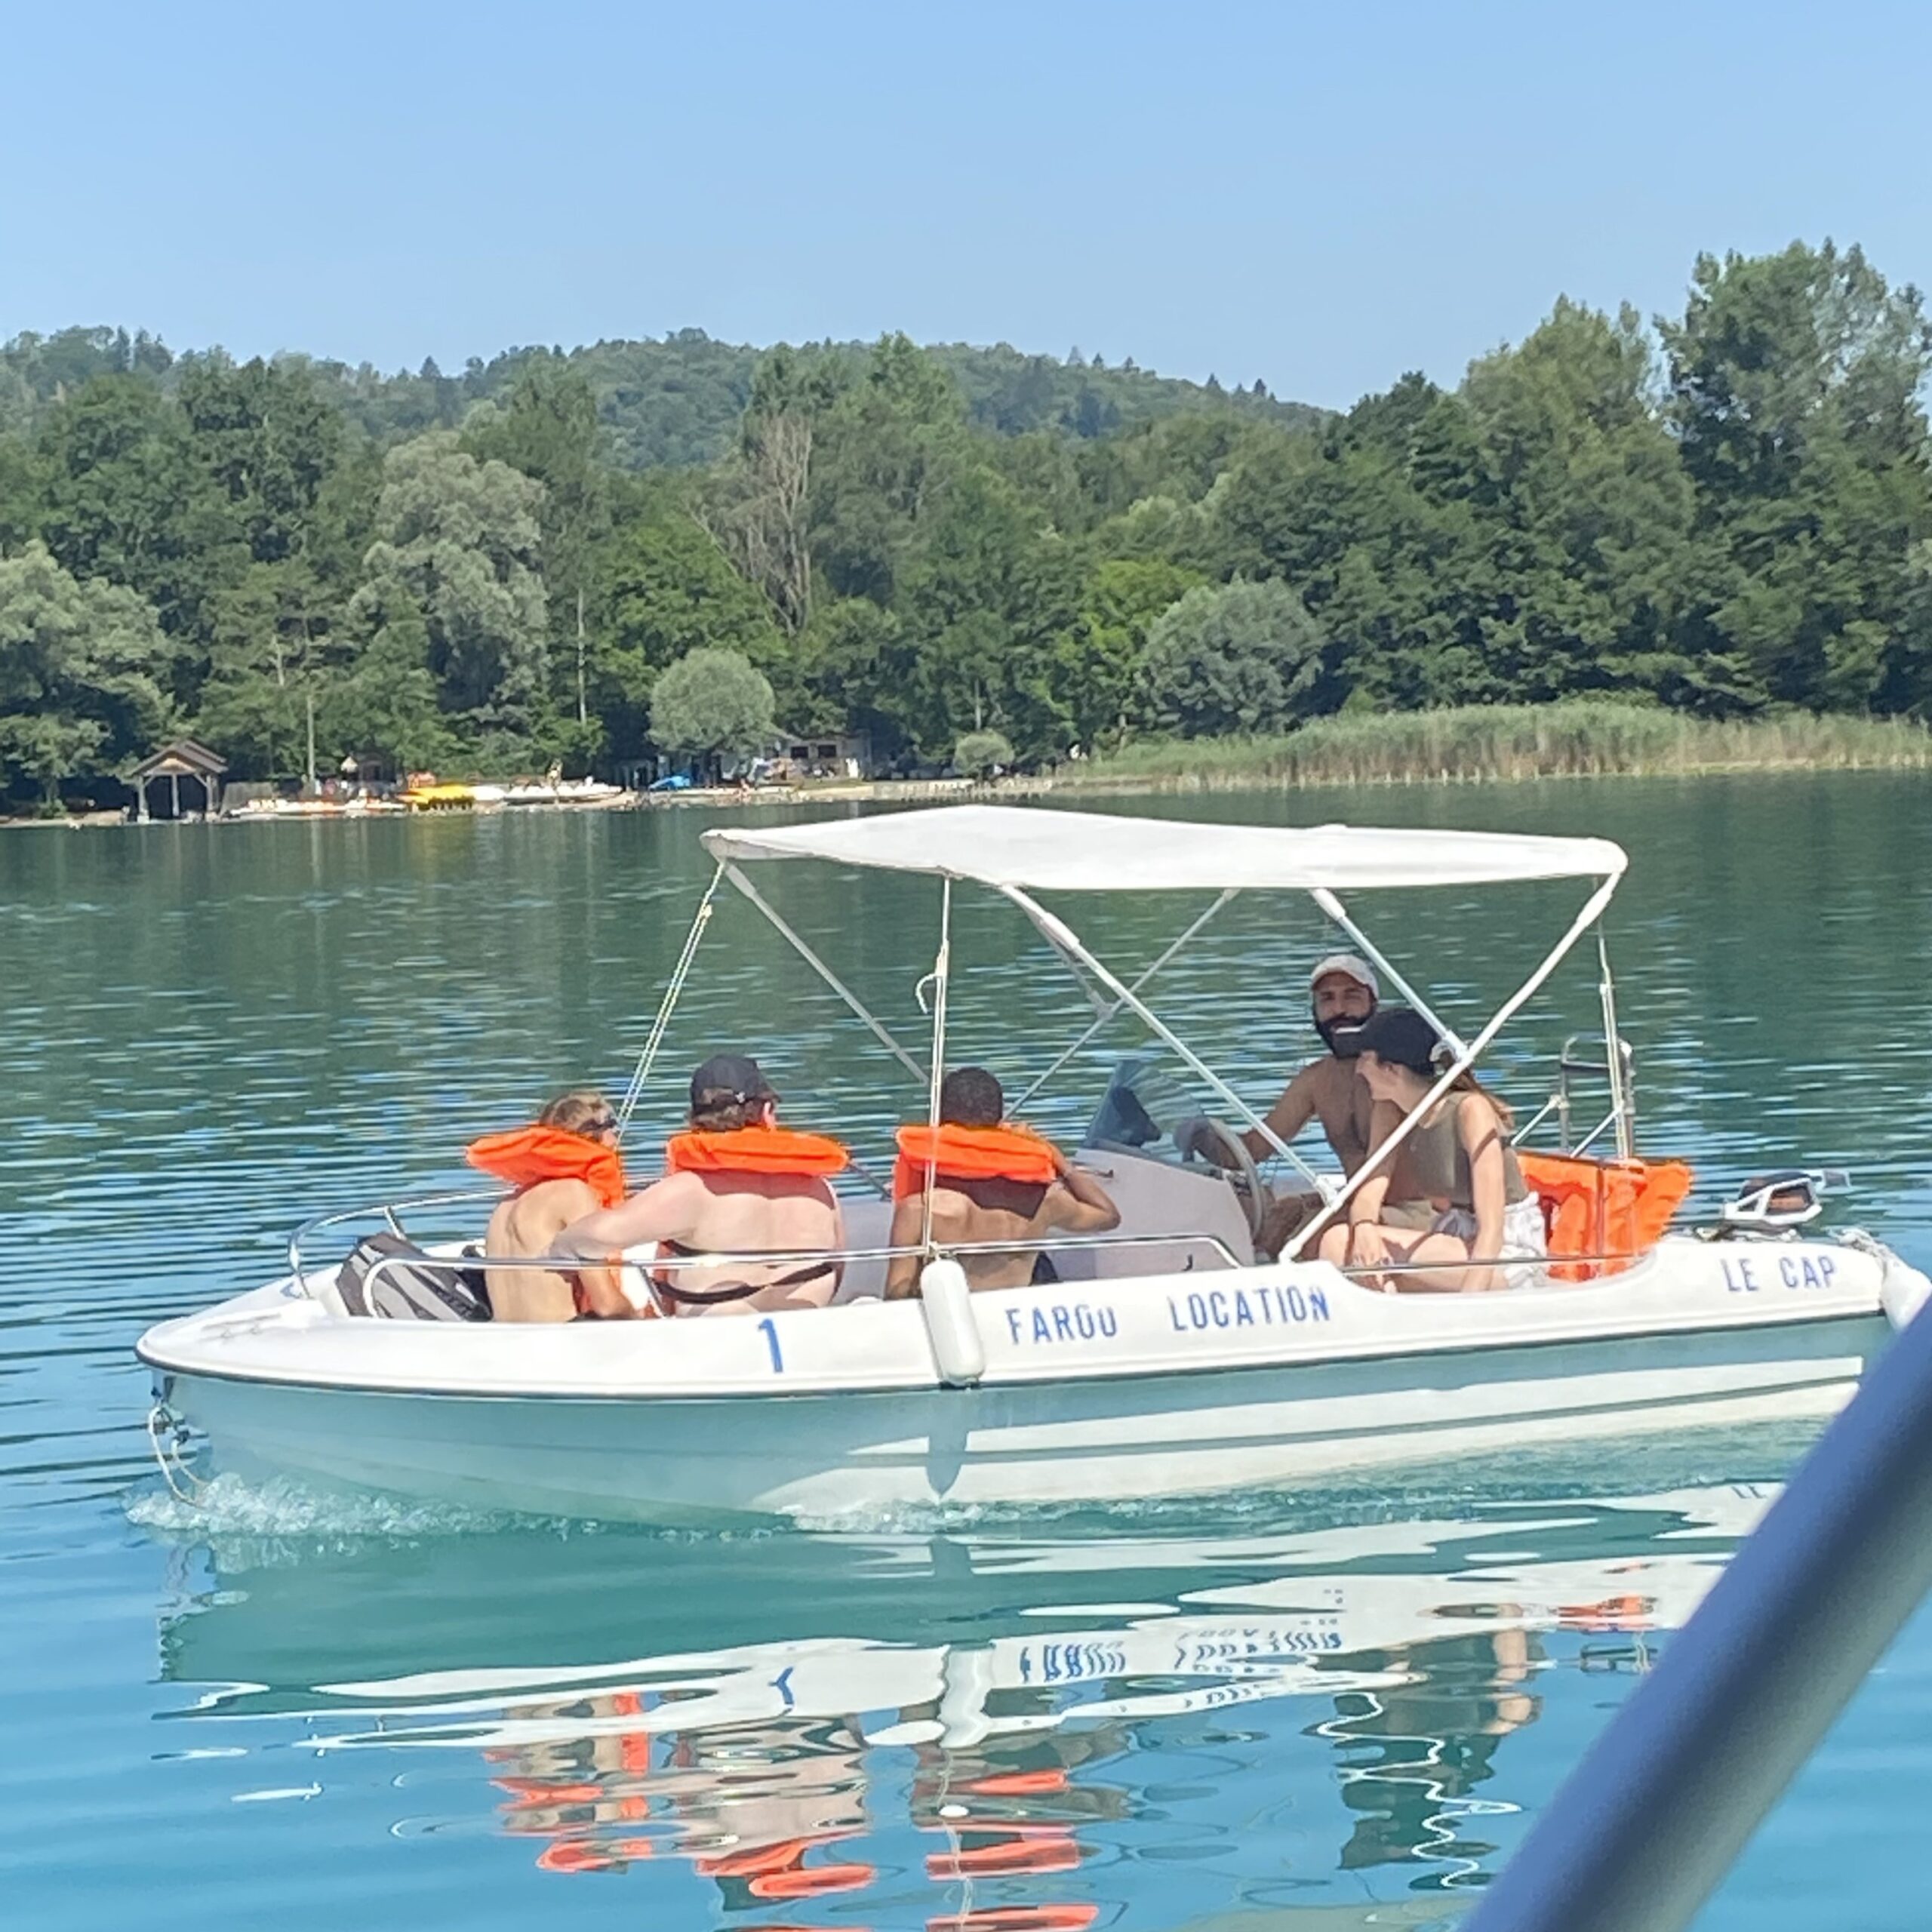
<point>413,1288</point>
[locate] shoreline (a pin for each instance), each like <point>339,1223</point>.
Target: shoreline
<point>890,790</point>
<point>1498,744</point>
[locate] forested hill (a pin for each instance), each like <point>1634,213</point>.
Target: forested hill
<point>1725,512</point>
<point>662,405</point>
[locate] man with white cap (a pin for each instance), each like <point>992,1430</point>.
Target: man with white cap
<point>1343,992</point>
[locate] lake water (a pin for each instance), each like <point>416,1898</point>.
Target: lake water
<point>1331,1709</point>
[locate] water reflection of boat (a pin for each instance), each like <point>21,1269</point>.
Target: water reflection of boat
<point>1169,1357</point>
<point>979,1699</point>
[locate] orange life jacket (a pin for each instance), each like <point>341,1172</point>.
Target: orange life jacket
<point>526,1156</point>
<point>971,1153</point>
<point>1617,1209</point>
<point>754,1150</point>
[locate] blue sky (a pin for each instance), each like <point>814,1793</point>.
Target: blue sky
<point>1323,196</point>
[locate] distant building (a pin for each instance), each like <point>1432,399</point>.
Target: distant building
<point>824,754</point>
<point>182,758</point>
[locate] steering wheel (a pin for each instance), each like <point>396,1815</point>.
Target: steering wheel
<point>1193,1137</point>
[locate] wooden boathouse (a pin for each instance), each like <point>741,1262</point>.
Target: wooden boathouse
<point>182,758</point>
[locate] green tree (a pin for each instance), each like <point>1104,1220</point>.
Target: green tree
<point>268,441</point>
<point>124,498</point>
<point>547,427</point>
<point>883,457</point>
<point>1585,510</point>
<point>386,702</point>
<point>666,590</point>
<point>270,657</point>
<point>1795,383</point>
<point>1233,658</point>
<point>461,541</point>
<point>21,489</point>
<point>857,669</point>
<point>981,754</point>
<point>1379,526</point>
<point>83,673</point>
<point>712,701</point>
<point>984,597</point>
<point>1099,668</point>
<point>757,506</point>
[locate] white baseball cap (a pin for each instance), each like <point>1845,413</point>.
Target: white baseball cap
<point>1357,968</point>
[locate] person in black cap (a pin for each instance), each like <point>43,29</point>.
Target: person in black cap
<point>1480,1226</point>
<point>729,1091</point>
<point>737,1184</point>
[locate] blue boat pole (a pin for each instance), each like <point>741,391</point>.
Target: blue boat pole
<point>1644,1829</point>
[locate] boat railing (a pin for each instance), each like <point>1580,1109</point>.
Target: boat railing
<point>1366,1272</point>
<point>1573,1059</point>
<point>390,1211</point>
<point>658,1264</point>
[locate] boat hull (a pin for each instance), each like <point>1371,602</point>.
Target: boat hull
<point>857,1453</point>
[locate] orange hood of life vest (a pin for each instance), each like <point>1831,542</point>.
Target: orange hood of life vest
<point>971,1153</point>
<point>527,1155</point>
<point>754,1150</point>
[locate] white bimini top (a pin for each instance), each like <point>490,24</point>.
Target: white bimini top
<point>1033,848</point>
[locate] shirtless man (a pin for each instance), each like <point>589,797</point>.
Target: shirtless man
<point>739,1184</point>
<point>1343,992</point>
<point>994,1208</point>
<point>563,1168</point>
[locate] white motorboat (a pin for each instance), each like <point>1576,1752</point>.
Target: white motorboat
<point>1167,1359</point>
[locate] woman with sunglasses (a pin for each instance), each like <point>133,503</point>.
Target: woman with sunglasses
<point>563,1167</point>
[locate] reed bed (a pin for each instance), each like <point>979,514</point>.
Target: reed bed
<point>1575,738</point>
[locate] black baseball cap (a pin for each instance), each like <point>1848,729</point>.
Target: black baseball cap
<point>1400,1035</point>
<point>729,1077</point>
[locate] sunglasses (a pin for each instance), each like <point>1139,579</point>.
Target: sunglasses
<point>604,1123</point>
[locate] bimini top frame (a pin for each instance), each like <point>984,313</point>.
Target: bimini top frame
<point>1016,850</point>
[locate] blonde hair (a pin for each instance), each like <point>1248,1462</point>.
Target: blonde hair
<point>573,1110</point>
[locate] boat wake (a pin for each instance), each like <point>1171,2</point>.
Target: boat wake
<point>284,1510</point>
<point>280,1507</point>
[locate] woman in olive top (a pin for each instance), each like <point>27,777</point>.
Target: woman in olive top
<point>1474,1224</point>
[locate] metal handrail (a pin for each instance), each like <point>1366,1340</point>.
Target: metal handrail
<point>1355,1270</point>
<point>1559,1102</point>
<point>566,1264</point>
<point>387,1211</point>
<point>570,1264</point>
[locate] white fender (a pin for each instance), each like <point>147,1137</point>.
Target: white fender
<point>1903,1292</point>
<point>950,1322</point>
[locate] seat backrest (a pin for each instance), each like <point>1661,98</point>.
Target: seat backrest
<point>1159,1197</point>
<point>412,1286</point>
